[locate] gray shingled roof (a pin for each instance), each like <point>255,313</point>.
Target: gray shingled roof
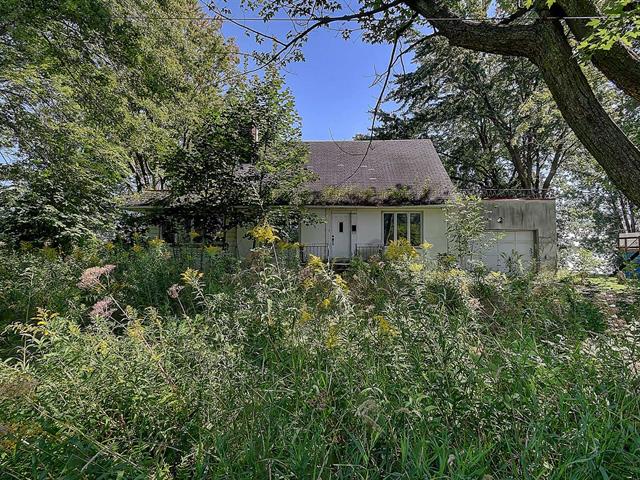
<point>338,166</point>
<point>413,164</point>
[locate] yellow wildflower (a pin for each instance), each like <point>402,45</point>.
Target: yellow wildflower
<point>102,347</point>
<point>137,248</point>
<point>332,336</point>
<point>212,250</point>
<point>307,283</point>
<point>315,262</point>
<point>74,329</point>
<point>191,276</point>
<point>305,315</point>
<point>426,246</point>
<point>341,283</point>
<point>136,330</point>
<point>399,249</point>
<point>156,242</point>
<point>326,303</point>
<point>193,235</point>
<point>264,233</point>
<point>109,246</point>
<point>385,327</point>
<point>416,267</point>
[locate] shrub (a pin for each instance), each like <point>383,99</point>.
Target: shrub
<point>275,371</point>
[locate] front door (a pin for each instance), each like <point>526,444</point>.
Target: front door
<point>340,236</point>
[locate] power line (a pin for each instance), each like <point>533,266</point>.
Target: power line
<point>317,19</point>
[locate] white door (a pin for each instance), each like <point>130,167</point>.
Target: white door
<point>340,235</point>
<point>514,245</point>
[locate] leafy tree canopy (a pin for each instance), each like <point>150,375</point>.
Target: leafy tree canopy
<point>94,95</point>
<point>547,34</point>
<point>246,159</point>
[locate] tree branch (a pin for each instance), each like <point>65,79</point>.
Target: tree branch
<point>513,40</point>
<point>620,64</point>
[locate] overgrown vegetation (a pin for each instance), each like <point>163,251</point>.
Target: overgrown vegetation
<point>130,364</point>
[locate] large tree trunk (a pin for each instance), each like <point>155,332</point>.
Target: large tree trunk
<point>546,45</point>
<point>577,103</point>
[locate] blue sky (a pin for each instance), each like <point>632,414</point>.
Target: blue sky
<point>332,86</point>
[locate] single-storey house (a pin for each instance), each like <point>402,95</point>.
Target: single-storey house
<point>365,195</point>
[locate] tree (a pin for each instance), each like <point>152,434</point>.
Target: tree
<point>491,118</point>
<point>536,32</point>
<point>246,159</point>
<point>591,212</point>
<point>100,91</point>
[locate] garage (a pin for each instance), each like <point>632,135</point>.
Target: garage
<point>510,245</point>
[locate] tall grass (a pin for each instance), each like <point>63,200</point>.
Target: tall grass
<point>397,369</point>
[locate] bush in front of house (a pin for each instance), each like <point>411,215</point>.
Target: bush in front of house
<point>396,368</point>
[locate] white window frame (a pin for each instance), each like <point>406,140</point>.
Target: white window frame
<point>395,224</point>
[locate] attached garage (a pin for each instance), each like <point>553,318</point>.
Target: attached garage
<point>510,245</point>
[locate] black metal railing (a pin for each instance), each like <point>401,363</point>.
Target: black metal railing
<point>320,250</point>
<point>365,252</point>
<point>506,193</point>
<point>196,255</point>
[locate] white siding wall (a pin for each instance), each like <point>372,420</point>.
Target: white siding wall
<point>316,233</point>
<point>369,226</point>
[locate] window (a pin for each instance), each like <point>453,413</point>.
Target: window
<point>402,225</point>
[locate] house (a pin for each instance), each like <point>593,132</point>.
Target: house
<point>367,194</point>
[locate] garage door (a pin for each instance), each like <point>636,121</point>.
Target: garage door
<point>510,244</point>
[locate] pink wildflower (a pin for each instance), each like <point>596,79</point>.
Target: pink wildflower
<point>91,276</point>
<point>102,308</point>
<point>174,290</point>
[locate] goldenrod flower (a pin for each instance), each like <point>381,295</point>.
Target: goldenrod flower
<point>326,303</point>
<point>212,250</point>
<point>399,249</point>
<point>340,282</point>
<point>136,330</point>
<point>191,276</point>
<point>193,235</point>
<point>332,336</point>
<point>109,246</point>
<point>137,248</point>
<point>315,262</point>
<point>264,233</point>
<point>385,327</point>
<point>426,245</point>
<point>305,315</point>
<point>156,242</point>
<point>416,267</point>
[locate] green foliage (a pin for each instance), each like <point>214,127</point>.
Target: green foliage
<point>354,195</point>
<point>620,23</point>
<point>94,94</point>
<point>246,159</point>
<point>391,370</point>
<point>466,225</point>
<point>484,113</point>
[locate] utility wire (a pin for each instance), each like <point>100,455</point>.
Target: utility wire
<point>314,19</point>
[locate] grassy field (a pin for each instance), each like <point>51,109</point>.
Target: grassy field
<point>129,364</point>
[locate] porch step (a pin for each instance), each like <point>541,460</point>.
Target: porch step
<point>340,264</point>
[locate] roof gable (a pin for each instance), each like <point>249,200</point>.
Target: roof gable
<point>413,165</point>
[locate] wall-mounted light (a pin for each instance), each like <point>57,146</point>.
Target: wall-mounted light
<point>500,220</point>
